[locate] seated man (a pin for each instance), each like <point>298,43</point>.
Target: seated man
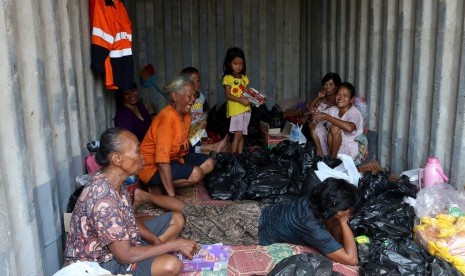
<point>165,147</point>
<point>320,220</point>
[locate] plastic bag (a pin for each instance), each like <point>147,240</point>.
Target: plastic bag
<point>437,199</point>
<point>346,170</point>
<point>296,134</point>
<point>310,182</point>
<point>373,185</point>
<point>268,181</point>
<point>227,181</point>
<point>82,268</point>
<point>388,221</point>
<point>304,264</point>
<point>73,199</point>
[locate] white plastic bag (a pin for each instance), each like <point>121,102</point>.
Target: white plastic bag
<point>296,134</point>
<point>82,268</point>
<point>346,170</point>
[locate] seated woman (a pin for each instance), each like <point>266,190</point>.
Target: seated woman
<point>131,113</point>
<point>165,148</point>
<point>103,228</point>
<point>344,123</point>
<point>320,220</point>
<point>327,95</point>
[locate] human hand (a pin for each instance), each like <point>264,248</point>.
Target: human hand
<point>245,102</point>
<point>343,216</point>
<point>187,247</point>
<point>321,93</point>
<point>203,124</point>
<point>318,117</point>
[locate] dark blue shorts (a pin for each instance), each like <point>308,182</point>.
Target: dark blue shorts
<point>158,226</point>
<point>181,171</point>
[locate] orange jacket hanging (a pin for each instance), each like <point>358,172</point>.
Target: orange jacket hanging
<point>111,49</point>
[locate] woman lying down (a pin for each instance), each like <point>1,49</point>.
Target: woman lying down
<point>320,221</point>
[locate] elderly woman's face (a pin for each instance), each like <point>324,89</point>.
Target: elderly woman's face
<point>186,99</point>
<point>131,159</point>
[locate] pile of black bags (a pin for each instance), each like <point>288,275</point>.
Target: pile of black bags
<point>388,222</point>
<point>281,173</point>
<point>287,171</point>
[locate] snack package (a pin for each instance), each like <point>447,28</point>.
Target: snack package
<point>443,236</point>
<point>212,257</point>
<point>256,98</point>
<point>197,130</point>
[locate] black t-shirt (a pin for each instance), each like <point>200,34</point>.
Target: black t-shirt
<point>294,222</point>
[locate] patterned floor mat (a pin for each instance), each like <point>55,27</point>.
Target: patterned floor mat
<point>260,260</point>
<point>245,260</point>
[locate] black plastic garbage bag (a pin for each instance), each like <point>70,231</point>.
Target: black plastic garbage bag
<point>400,257</point>
<point>276,117</point>
<point>227,181</point>
<point>373,185</point>
<point>310,182</point>
<point>439,267</point>
<point>285,153</point>
<point>304,264</point>
<point>328,160</point>
<point>385,217</point>
<point>388,222</point>
<point>73,199</point>
<point>217,121</point>
<point>307,155</point>
<point>268,181</point>
<point>252,160</point>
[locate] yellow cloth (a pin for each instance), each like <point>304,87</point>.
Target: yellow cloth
<point>237,88</point>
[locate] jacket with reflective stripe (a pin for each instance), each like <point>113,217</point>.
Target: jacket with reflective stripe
<point>111,49</point>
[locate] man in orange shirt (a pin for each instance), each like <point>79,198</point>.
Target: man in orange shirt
<point>165,147</point>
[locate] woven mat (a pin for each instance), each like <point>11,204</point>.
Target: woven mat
<point>260,260</point>
<point>245,260</point>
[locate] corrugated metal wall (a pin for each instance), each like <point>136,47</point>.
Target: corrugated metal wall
<point>404,57</point>
<point>174,34</point>
<point>51,106</point>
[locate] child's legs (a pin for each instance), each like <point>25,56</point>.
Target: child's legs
<point>236,142</point>
<point>238,126</point>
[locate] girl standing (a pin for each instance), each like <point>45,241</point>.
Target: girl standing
<point>237,108</point>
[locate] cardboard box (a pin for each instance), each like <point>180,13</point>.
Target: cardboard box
<point>273,136</point>
<point>213,257</point>
<point>255,97</point>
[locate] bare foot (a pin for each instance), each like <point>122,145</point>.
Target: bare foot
<point>226,148</point>
<point>219,147</point>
